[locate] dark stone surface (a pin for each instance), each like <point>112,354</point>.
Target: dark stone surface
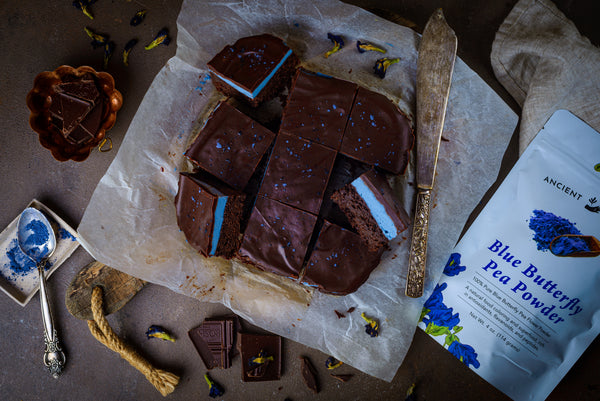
<point>35,40</point>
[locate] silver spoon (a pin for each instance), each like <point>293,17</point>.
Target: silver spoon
<point>37,241</point>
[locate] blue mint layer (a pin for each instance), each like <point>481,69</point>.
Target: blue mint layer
<point>378,212</point>
<point>219,214</point>
<point>262,84</point>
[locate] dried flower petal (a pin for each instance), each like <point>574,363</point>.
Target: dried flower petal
<point>338,43</point>
<point>332,363</point>
<point>372,326</point>
<point>214,389</point>
<point>260,359</point>
<point>366,47</point>
<point>410,393</point>
<point>109,48</point>
<point>138,18</point>
<point>127,50</point>
<point>83,6</point>
<point>159,332</point>
<point>98,40</point>
<point>382,65</point>
<point>162,38</point>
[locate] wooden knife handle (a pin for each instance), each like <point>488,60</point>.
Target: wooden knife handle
<point>418,246</point>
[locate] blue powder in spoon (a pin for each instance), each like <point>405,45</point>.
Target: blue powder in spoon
<point>40,233</point>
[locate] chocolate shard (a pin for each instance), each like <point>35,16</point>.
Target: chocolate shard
<point>73,111</point>
<point>85,89</point>
<point>309,375</point>
<point>92,121</point>
<point>342,378</point>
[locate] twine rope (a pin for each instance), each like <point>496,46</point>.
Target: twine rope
<point>164,382</point>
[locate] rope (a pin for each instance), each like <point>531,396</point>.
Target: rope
<point>164,382</point>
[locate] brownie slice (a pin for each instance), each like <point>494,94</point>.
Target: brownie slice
<point>345,170</point>
<point>340,261</point>
<point>230,146</point>
<point>298,172</point>
<point>277,237</point>
<point>209,214</point>
<point>378,133</point>
<point>254,68</point>
<point>318,108</point>
<point>372,209</point>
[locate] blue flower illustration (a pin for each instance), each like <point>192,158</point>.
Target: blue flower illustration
<point>440,321</point>
<point>465,353</point>
<point>436,297</point>
<point>453,266</point>
<point>442,317</point>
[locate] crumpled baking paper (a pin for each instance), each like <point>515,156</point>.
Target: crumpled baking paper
<point>130,222</point>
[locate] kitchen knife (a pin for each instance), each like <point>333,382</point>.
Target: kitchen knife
<point>435,63</point>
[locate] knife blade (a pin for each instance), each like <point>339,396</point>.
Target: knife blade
<point>435,64</point>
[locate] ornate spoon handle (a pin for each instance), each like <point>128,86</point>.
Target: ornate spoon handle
<point>54,358</point>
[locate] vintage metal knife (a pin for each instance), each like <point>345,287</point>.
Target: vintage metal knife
<point>437,53</point>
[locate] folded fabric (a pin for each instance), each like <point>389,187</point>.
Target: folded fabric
<point>546,65</point>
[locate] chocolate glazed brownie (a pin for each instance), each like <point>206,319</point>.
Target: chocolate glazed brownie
<point>318,206</point>
<point>253,69</point>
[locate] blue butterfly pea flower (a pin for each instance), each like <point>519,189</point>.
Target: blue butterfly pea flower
<point>465,353</point>
<point>453,266</point>
<point>436,297</point>
<point>442,317</point>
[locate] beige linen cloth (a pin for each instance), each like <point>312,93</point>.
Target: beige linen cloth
<point>546,65</point>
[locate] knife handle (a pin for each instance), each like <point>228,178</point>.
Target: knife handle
<point>418,246</point>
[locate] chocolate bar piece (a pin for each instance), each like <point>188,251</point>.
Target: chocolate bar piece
<point>214,340</point>
<point>250,346</point>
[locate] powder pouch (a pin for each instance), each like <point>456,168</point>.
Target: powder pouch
<point>506,306</point>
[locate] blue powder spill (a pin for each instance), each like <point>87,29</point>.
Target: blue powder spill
<point>548,226</point>
<point>568,245</point>
<point>65,234</point>
<point>19,264</point>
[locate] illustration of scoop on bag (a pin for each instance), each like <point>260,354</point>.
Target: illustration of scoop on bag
<point>575,245</point>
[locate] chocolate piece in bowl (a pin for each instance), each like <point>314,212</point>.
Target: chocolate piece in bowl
<point>298,172</point>
<point>254,68</point>
<point>277,237</point>
<point>340,261</point>
<point>71,110</point>
<point>230,146</point>
<point>378,133</point>
<point>318,108</point>
<point>372,208</point>
<point>209,214</point>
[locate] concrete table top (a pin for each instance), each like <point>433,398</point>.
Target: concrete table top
<point>39,36</point>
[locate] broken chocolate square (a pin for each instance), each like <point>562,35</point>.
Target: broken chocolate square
<point>261,357</point>
<point>214,340</point>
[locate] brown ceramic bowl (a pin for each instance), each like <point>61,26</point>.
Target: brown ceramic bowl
<point>39,100</point>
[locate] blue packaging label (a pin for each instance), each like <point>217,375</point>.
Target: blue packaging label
<point>518,301</point>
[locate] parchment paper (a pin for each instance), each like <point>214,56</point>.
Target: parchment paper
<point>130,222</point>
